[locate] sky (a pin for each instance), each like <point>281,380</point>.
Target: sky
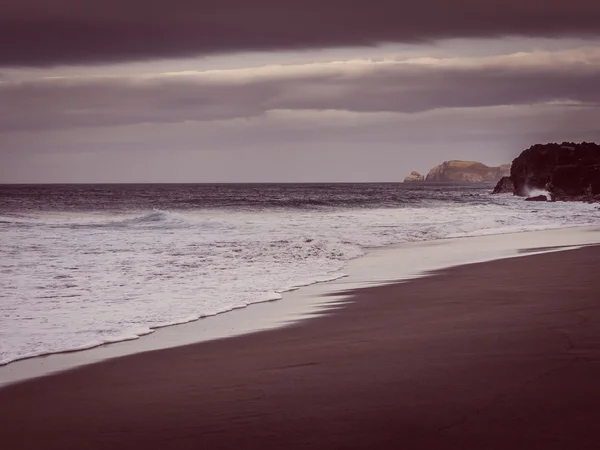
<point>288,91</point>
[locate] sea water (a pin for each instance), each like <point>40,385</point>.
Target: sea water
<point>84,265</point>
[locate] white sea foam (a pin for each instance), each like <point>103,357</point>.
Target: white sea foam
<point>533,192</point>
<point>74,281</point>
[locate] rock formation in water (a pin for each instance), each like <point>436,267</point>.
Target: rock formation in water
<point>467,171</point>
<point>567,171</point>
<point>504,186</point>
<point>537,198</point>
<point>414,176</point>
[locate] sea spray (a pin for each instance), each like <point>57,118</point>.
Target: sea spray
<point>534,192</point>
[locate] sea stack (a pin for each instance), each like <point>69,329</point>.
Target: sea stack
<point>504,186</point>
<point>567,171</point>
<point>414,176</point>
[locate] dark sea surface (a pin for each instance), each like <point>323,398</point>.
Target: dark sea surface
<point>135,197</point>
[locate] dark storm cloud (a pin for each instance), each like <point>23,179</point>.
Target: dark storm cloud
<point>353,86</point>
<point>51,32</point>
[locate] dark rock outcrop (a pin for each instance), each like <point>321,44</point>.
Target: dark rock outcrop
<point>466,171</point>
<point>568,171</point>
<point>537,198</point>
<point>504,186</point>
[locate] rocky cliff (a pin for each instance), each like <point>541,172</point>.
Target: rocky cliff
<point>504,186</point>
<point>568,171</point>
<point>414,176</point>
<point>467,171</point>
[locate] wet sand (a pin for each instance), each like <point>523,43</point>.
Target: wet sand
<point>498,355</point>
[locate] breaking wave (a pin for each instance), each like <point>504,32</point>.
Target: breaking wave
<point>532,192</point>
<point>77,279</point>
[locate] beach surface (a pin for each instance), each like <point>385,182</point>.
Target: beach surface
<point>497,355</point>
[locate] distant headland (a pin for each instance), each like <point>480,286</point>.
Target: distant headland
<point>461,172</point>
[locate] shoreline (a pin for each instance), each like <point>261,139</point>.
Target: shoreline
<point>451,360</point>
<point>382,265</point>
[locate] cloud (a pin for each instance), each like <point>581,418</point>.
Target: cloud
<point>290,146</point>
<point>53,32</point>
<point>409,86</point>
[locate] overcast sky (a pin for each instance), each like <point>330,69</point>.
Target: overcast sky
<point>275,90</point>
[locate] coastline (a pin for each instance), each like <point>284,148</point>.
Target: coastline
<point>378,266</point>
<point>451,360</point>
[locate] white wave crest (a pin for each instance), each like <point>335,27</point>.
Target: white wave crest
<point>154,217</point>
<point>533,192</point>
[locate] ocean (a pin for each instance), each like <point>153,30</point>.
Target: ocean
<point>85,265</point>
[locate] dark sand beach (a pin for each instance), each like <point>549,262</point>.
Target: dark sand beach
<point>498,355</point>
